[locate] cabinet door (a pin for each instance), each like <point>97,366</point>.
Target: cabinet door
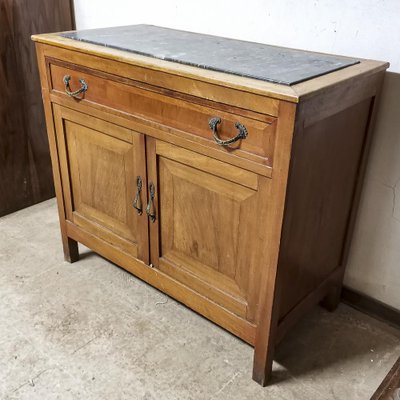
<point>100,165</point>
<point>210,224</point>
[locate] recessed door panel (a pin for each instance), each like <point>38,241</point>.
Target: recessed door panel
<point>208,212</point>
<point>100,164</point>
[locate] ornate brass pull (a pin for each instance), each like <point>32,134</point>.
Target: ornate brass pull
<point>213,122</point>
<point>137,203</point>
<point>75,93</point>
<point>150,211</point>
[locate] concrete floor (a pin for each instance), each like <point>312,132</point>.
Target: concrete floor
<point>90,330</point>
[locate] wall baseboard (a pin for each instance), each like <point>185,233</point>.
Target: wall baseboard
<point>370,306</point>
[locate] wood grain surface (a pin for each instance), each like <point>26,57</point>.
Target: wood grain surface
<point>25,170</point>
<point>389,389</point>
<point>250,250</point>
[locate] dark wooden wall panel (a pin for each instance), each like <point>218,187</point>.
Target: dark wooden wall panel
<point>25,170</point>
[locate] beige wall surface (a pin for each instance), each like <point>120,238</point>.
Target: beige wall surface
<point>366,29</point>
<point>374,262</point>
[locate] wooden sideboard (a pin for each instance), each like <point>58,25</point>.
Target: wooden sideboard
<point>249,234</point>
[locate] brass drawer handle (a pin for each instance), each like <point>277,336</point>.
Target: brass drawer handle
<point>137,203</point>
<point>75,93</point>
<point>213,122</point>
<point>150,211</point>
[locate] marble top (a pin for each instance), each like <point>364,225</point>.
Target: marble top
<point>254,60</point>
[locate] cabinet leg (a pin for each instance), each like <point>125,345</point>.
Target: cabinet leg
<point>264,350</point>
<point>262,372</point>
<point>332,299</point>
<point>71,252</point>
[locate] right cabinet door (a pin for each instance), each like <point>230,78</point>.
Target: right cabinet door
<point>210,225</point>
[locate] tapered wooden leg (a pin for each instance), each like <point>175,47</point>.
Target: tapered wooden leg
<point>265,346</point>
<point>71,252</point>
<point>262,367</point>
<point>332,299</point>
<point>70,246</point>
<point>270,293</point>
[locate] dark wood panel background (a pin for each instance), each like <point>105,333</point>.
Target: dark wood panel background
<point>25,170</point>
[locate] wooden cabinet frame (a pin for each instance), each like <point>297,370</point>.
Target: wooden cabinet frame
<point>297,231</point>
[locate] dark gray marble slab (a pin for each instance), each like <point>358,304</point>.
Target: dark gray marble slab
<point>253,60</point>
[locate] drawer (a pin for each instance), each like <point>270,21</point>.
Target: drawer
<point>182,114</point>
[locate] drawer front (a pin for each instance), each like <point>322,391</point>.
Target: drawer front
<point>184,115</point>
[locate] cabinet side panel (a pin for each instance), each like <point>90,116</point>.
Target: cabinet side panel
<point>323,174</point>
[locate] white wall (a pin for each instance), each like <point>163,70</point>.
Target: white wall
<point>364,28</point>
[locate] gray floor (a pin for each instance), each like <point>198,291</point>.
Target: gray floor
<point>89,330</point>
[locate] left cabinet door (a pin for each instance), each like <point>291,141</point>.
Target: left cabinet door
<point>102,169</point>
